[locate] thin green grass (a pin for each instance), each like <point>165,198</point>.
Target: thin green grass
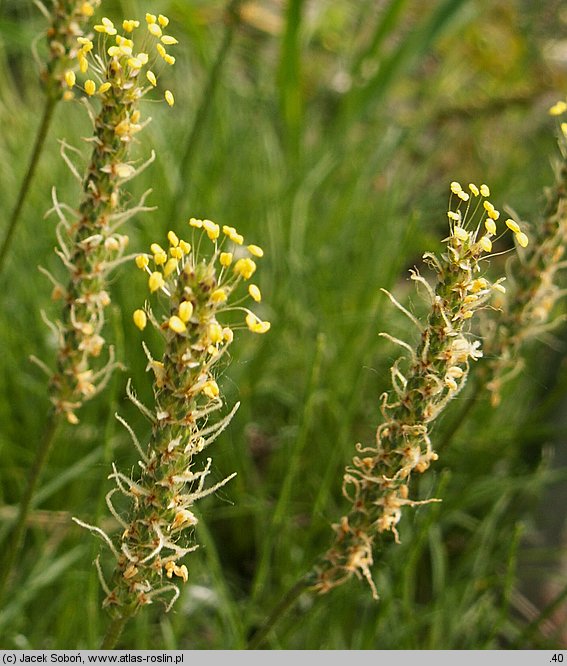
<point>344,187</point>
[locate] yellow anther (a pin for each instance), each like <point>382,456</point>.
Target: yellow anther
<point>513,226</point>
<point>142,261</point>
<point>255,251</point>
<point>185,311</point>
<point>87,9</point>
<point>219,296</point>
<point>151,18</point>
<point>156,281</point>
<point>522,239</point>
<point>456,187</point>
<point>140,319</point>
<point>163,21</point>
<point>104,87</point>
<point>490,226</point>
<point>151,77</point>
<point>156,247</point>
<point>460,233</point>
<point>83,62</point>
<point>485,243</point>
<point>169,97</point>
<point>70,78</point>
<point>474,189</point>
<point>456,217</point>
<point>234,236</point>
<point>215,333</point>
<point>170,266</point>
<point>130,25</point>
<point>185,246</point>
<point>169,59</point>
<point>225,259</point>
<point>176,324</point>
<point>478,285</point>
<point>194,222</point>
<point>161,50</point>
<point>168,40</point>
<point>484,190</point>
<point>211,389</point>
<point>172,238</point>
<point>227,335</point>
<point>135,63</point>
<point>212,229</point>
<point>160,258</point>
<point>154,29</point>
<point>255,292</point>
<point>90,87</point>
<point>257,325</point>
<point>245,267</point>
<point>464,196</point>
<point>558,108</point>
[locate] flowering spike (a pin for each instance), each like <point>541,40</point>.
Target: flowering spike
<point>157,528</point>
<point>377,482</point>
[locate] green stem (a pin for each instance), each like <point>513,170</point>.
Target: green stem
<point>50,103</point>
<point>113,632</point>
<point>279,611</point>
<point>16,538</point>
<point>231,21</point>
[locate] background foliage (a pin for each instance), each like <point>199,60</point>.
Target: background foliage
<point>327,132</point>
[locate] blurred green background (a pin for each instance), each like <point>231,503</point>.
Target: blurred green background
<point>327,132</point>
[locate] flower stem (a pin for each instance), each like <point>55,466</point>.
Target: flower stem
<point>113,632</point>
<point>48,109</point>
<point>16,538</point>
<point>287,601</point>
